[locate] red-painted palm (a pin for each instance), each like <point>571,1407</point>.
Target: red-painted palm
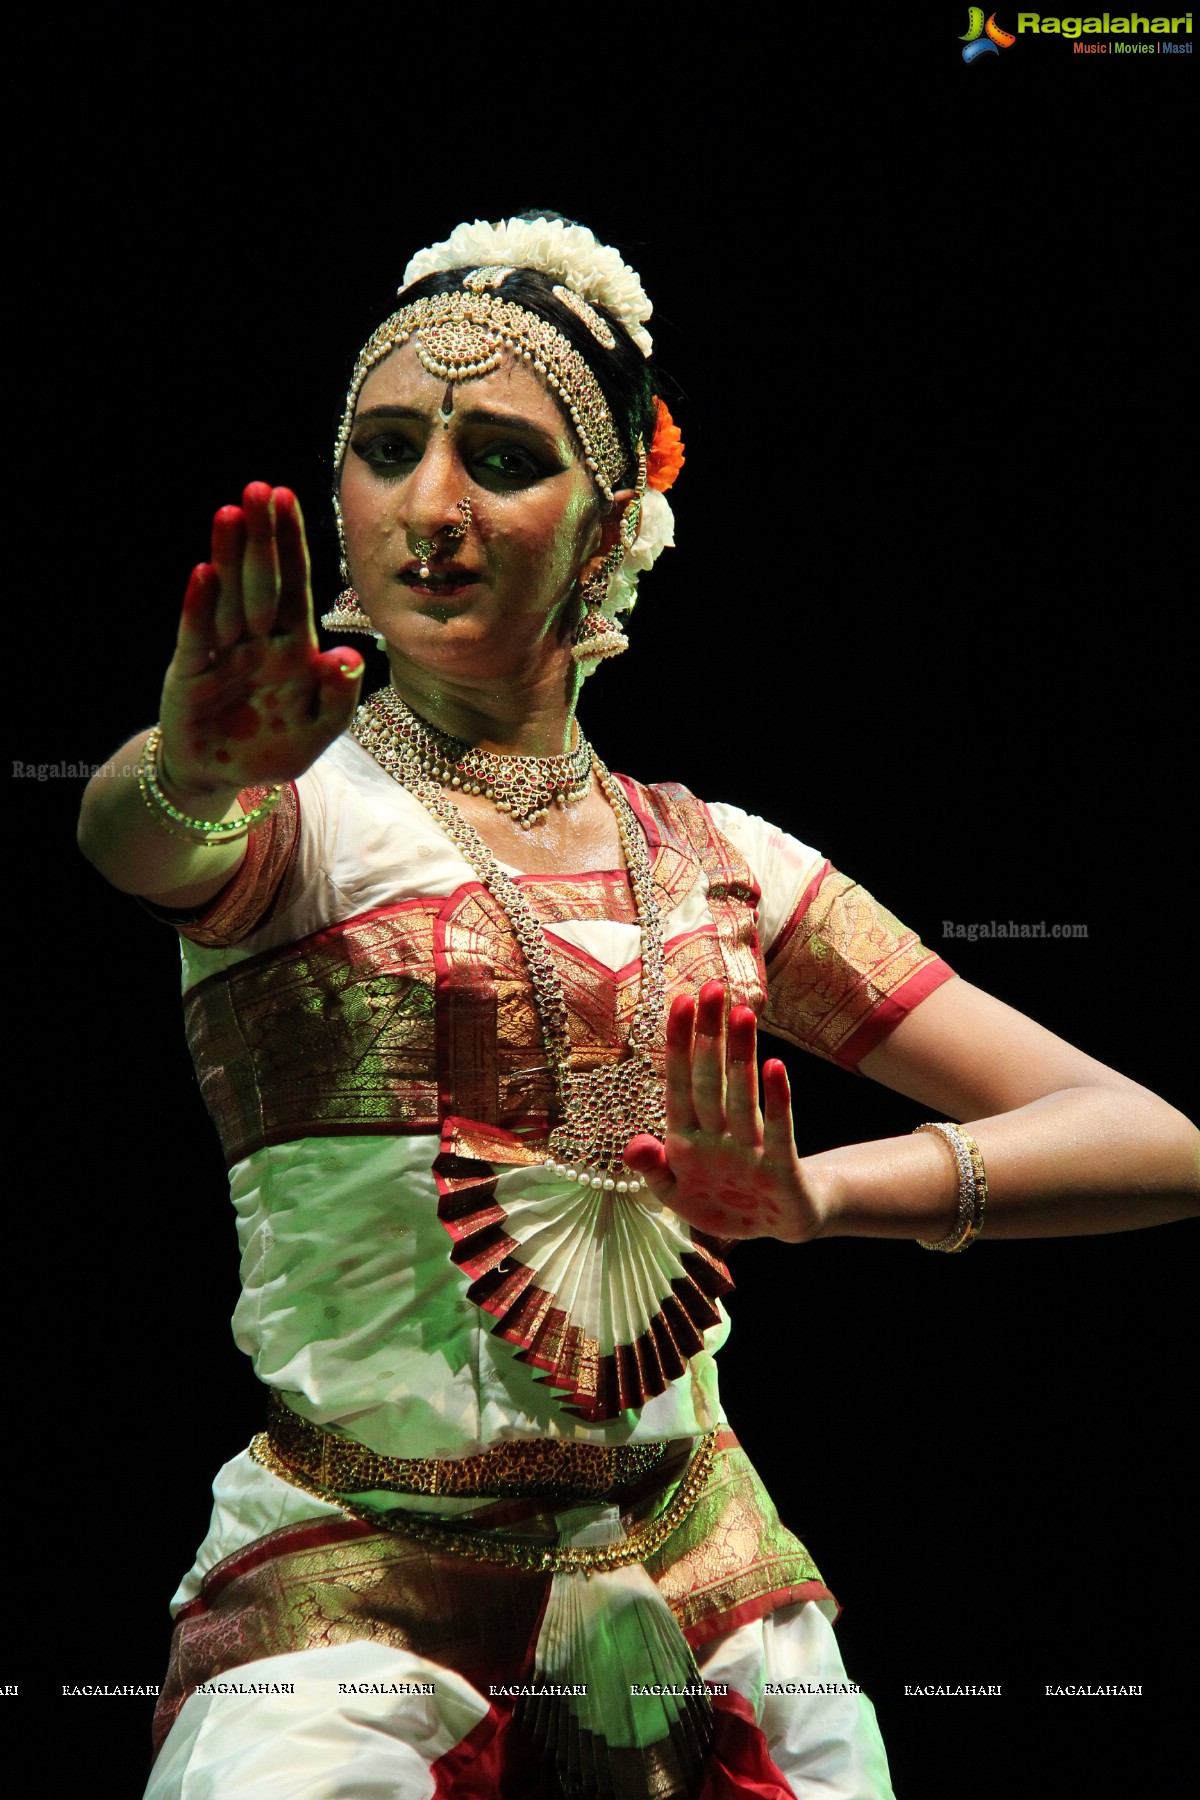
<point>249,698</point>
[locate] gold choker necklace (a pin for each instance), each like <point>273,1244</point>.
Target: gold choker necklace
<point>601,1108</point>
<point>524,787</point>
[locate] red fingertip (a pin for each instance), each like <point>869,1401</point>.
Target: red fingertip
<point>325,664</point>
<point>742,1033</point>
<point>285,500</point>
<point>679,1022</point>
<point>711,1012</point>
<point>337,668</point>
<point>228,535</point>
<point>645,1154</point>
<point>775,1072</point>
<point>257,502</point>
<point>200,585</point>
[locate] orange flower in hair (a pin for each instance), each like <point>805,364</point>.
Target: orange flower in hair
<point>666,456</point>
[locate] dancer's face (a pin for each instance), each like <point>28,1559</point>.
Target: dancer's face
<point>500,596</point>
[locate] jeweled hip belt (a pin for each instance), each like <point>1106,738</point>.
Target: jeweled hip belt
<point>547,1466</point>
<point>552,1466</point>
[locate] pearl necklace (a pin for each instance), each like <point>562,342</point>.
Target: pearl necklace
<point>601,1108</point>
<point>525,787</point>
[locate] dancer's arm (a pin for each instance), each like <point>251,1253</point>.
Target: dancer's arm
<point>1069,1145</point>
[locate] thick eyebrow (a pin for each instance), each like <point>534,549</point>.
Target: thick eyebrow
<point>474,415</point>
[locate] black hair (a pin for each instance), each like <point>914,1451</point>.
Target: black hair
<point>624,374</point>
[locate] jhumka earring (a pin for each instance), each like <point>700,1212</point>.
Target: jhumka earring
<point>346,613</point>
<point>596,635</point>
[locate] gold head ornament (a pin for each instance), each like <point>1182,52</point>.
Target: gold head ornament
<point>467,333</point>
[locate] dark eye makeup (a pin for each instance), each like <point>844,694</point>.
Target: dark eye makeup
<point>501,465</point>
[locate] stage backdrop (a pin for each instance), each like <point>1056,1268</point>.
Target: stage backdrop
<point>922,340</point>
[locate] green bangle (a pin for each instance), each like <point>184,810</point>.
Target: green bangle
<point>198,831</point>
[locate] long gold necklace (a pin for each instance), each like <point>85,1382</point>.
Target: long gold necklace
<point>601,1108</point>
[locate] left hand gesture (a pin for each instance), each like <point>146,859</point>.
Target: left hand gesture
<point>727,1167</point>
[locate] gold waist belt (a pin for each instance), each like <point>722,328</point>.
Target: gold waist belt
<point>552,1466</point>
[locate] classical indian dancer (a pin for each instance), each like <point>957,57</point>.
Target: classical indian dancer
<point>476,1021</point>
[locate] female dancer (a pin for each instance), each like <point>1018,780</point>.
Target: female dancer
<point>476,1021</point>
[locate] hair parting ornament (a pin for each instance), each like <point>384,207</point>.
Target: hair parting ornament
<point>465,334</point>
<point>601,331</point>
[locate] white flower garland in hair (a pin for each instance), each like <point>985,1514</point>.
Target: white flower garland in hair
<point>568,253</point>
<point>656,533</point>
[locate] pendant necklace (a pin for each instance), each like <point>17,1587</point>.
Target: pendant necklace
<point>600,1109</point>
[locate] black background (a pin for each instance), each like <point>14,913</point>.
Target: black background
<point>924,331</point>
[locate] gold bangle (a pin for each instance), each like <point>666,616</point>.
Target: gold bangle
<point>972,1188</point>
<point>197,831</point>
<point>981,1186</point>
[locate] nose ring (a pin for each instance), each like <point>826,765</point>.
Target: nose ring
<point>427,547</point>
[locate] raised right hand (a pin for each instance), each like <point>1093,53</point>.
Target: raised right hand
<point>249,699</point>
<point>727,1165</point>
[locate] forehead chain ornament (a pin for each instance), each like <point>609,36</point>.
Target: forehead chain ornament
<point>467,333</point>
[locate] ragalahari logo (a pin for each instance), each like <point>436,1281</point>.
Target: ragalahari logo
<point>974,41</point>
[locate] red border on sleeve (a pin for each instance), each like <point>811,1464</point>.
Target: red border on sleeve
<point>888,1014</point>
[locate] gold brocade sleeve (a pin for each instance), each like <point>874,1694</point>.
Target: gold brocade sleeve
<point>844,972</point>
<point>259,886</point>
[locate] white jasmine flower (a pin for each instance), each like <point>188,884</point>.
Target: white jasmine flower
<point>565,253</point>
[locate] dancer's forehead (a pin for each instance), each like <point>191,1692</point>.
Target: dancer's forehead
<point>510,397</point>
